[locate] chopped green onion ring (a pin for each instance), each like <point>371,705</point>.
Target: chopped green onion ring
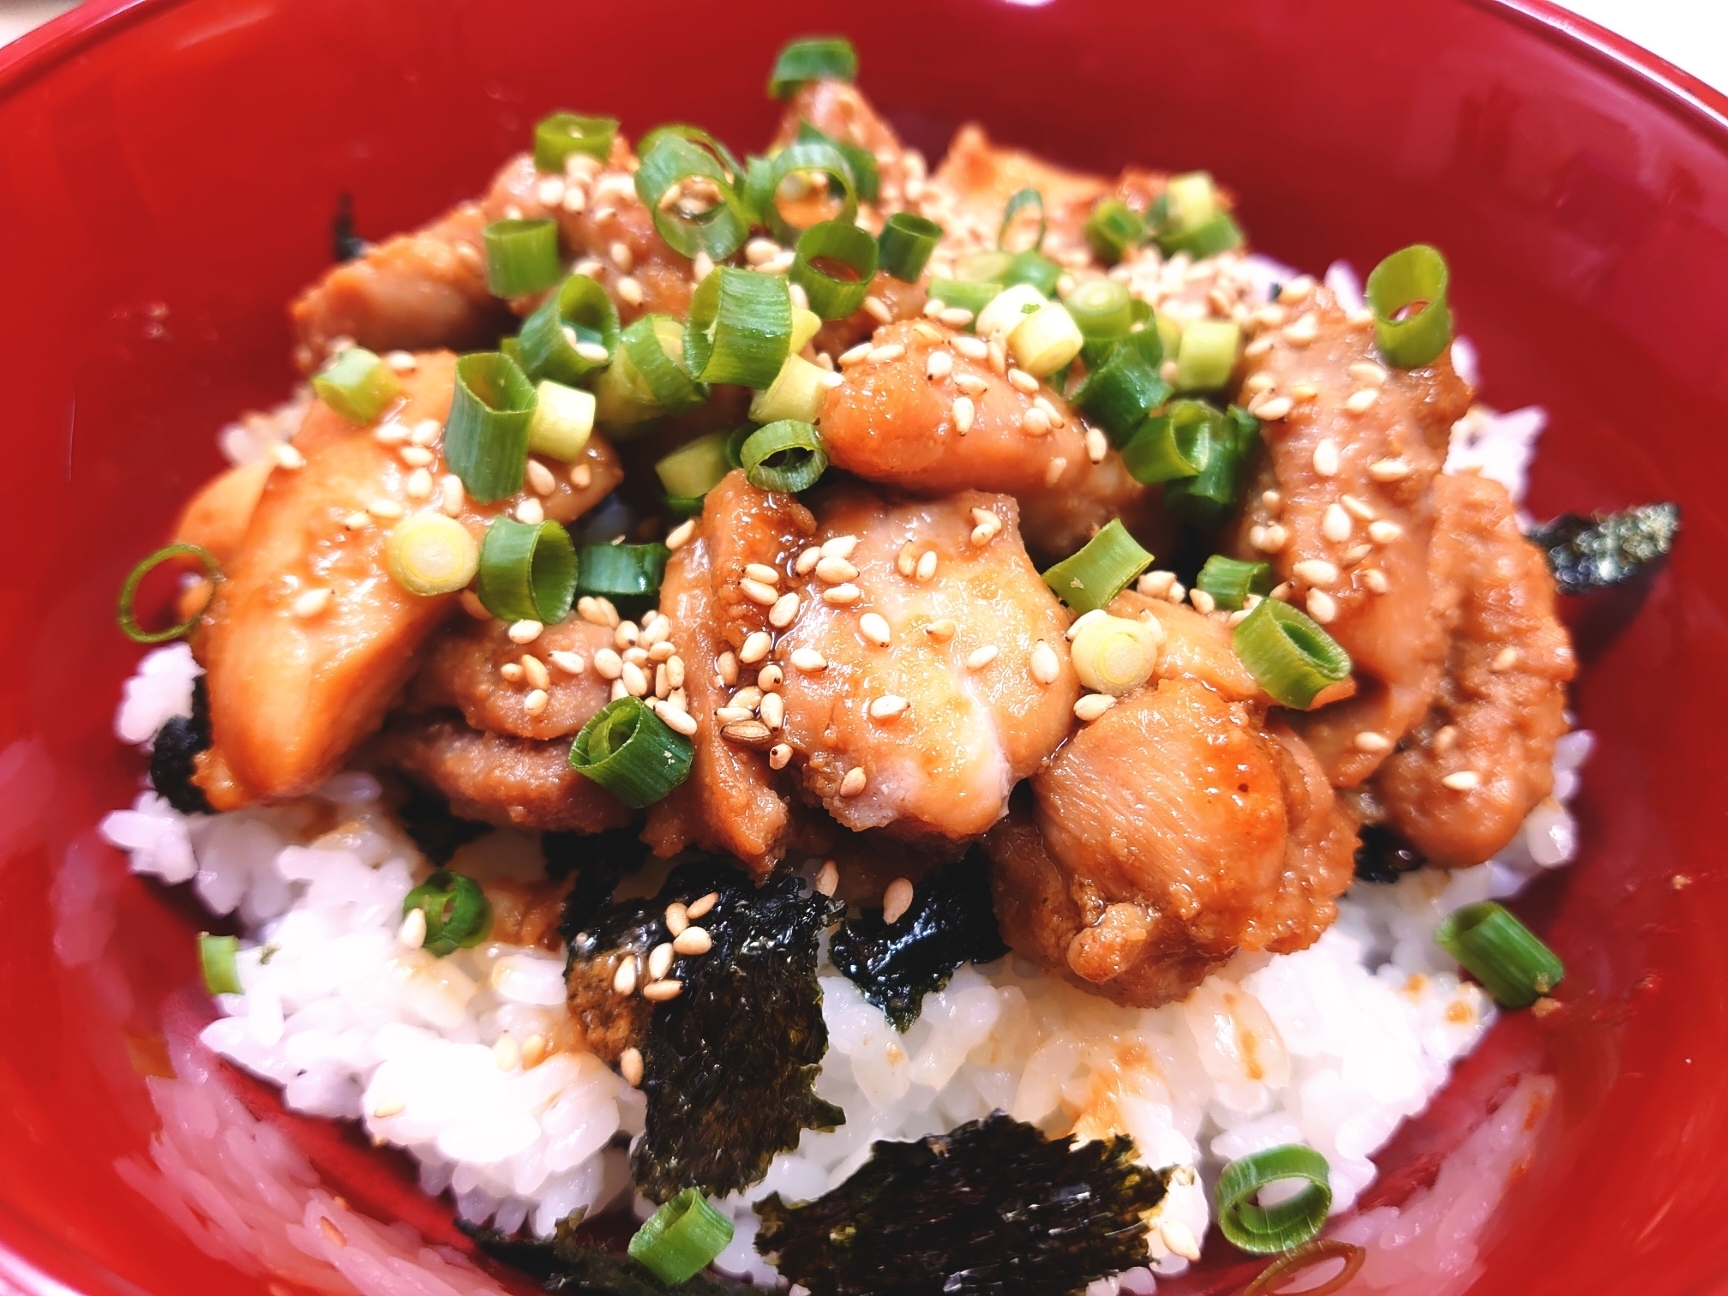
<point>563,133</point>
<point>521,256</point>
<point>527,571</point>
<point>127,611</point>
<point>1267,1230</point>
<point>1167,449</point>
<point>1510,960</point>
<point>579,317</point>
<point>692,470</point>
<point>216,958</point>
<point>563,421</point>
<point>357,385</point>
<point>1286,650</point>
<point>429,554</point>
<point>1219,234</point>
<point>1230,580</point>
<point>670,161</point>
<point>1102,308</point>
<point>1413,277</point>
<point>841,242</point>
<point>621,571</point>
<point>656,348</point>
<point>458,915</point>
<point>629,751</point>
<point>1113,228</point>
<point>798,392</point>
<point>1100,570</point>
<point>682,1238</point>
<point>809,157</point>
<point>963,294</point>
<point>1019,202</point>
<point>1207,354</point>
<point>1120,393</point>
<point>702,139</point>
<point>1033,268</point>
<point>486,438</point>
<point>814,58</point>
<point>906,242</point>
<point>866,176</point>
<point>1225,442</point>
<point>784,456</point>
<point>739,329</point>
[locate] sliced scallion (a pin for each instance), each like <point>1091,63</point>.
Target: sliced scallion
<point>563,133</point>
<point>1045,340</point>
<point>664,179</point>
<point>1114,655</point>
<point>621,571</point>
<point>629,751</point>
<point>527,571</point>
<point>964,294</point>
<point>740,328</point>
<point>1119,394</point>
<point>984,267</point>
<point>127,610</point>
<point>1223,444</point>
<point>486,439</point>
<point>796,393</point>
<point>1230,581</point>
<point>562,423</point>
<point>1022,200</point>
<point>866,177</point>
<point>806,324</point>
<point>458,915</point>
<point>1033,268</point>
<point>1098,572</point>
<point>783,456</point>
<point>682,1238</point>
<point>429,554</point>
<point>810,158</point>
<point>1167,449</point>
<point>1289,654</point>
<point>564,337</point>
<point>1509,959</point>
<point>1007,309</point>
<point>1219,234</point>
<point>1266,1230</point>
<point>814,58</point>
<point>702,139</point>
<point>656,347</point>
<point>1102,308</point>
<point>842,245</point>
<point>1190,200</point>
<point>357,385</point>
<point>1412,321</point>
<point>906,242</point>
<point>216,958</point>
<point>1207,354</point>
<point>521,256</point>
<point>692,470</point>
<point>1113,228</point>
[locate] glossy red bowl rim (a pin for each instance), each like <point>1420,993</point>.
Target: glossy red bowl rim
<point>1670,88</point>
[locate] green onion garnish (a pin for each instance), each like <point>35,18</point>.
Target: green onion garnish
<point>809,158</point>
<point>1113,228</point>
<point>1225,441</point>
<point>815,58</point>
<point>521,256</point>
<point>1509,959</point>
<point>1019,202</point>
<point>1091,578</point>
<point>216,956</point>
<point>846,246</point>
<point>757,191</point>
<point>784,456</point>
<point>984,267</point>
<point>1045,340</point>
<point>621,571</point>
<point>1102,308</point>
<point>527,571</point>
<point>629,751</point>
<point>740,327</point>
<point>692,470</point>
<point>458,915</point>
<point>671,160</point>
<point>486,439</point>
<point>1230,581</point>
<point>562,423</point>
<point>1032,268</point>
<point>1170,446</point>
<point>563,133</point>
<point>1207,354</point>
<point>1412,322</point>
<point>1266,1230</point>
<point>127,610</point>
<point>702,139</point>
<point>1289,654</point>
<point>1119,394</point>
<point>906,243</point>
<point>866,176</point>
<point>656,348</point>
<point>563,338</point>
<point>357,385</point>
<point>1220,234</point>
<point>430,554</point>
<point>682,1238</point>
<point>797,393</point>
<point>964,294</point>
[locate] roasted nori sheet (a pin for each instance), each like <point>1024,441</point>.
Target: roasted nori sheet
<point>951,921</point>
<point>991,1209</point>
<point>569,1264</point>
<point>1383,856</point>
<point>1608,549</point>
<point>173,753</point>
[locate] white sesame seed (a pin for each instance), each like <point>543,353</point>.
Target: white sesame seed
<point>593,352</point>
<point>887,706</point>
<point>1326,458</point>
<point>1303,331</point>
<point>1389,470</point>
<point>1273,410</point>
<point>1054,469</point>
<point>536,701</point>
<point>312,602</point>
<point>1258,347</point>
<point>675,671</point>
<point>857,355</point>
<point>1462,781</point>
<point>540,478</point>
<point>608,664</point>
<point>896,900</point>
<point>412,933</point>
<point>1322,606</point>
<point>770,677</point>
<point>1368,373</point>
<point>807,561</point>
<point>979,658</point>
<point>1335,524</point>
<point>759,592</point>
<point>1384,532</point>
<point>939,365</point>
<point>1297,289</point>
<point>661,991</point>
<point>998,355</point>
<point>971,384</point>
<point>624,635</point>
<point>963,411</point>
<point>629,290</point>
<point>808,660</point>
<point>630,1066</point>
<point>676,719</point>
<point>1372,743</point>
<point>930,333</point>
<point>1035,422</point>
<point>853,783</point>
<point>843,595</point>
<point>1504,660</point>
<point>402,361</point>
<point>1093,705</point>
<point>841,546</point>
<point>772,710</point>
<point>530,512</point>
<point>731,715</point>
<point>833,571</point>
<point>416,456</point>
<point>883,354</point>
<point>660,961</point>
<point>1096,445</point>
<point>357,521</point>
<point>693,941</point>
<point>1256,384</point>
<point>419,484</point>
<point>392,434</point>
<point>581,476</point>
<point>511,671</point>
<point>680,535</point>
<point>450,494</point>
<point>286,456</point>
<point>972,348</point>
<point>1179,1239</point>
<point>827,878</point>
<point>748,697</point>
<point>1361,510</point>
<point>941,630</point>
<point>874,627</point>
<point>387,509</point>
<point>784,611</point>
<point>956,317</point>
<point>779,756</point>
<point>760,251</point>
<point>1203,602</point>
<point>700,908</point>
<point>1046,668</point>
<point>756,646</point>
<point>1177,592</point>
<point>878,310</point>
<point>622,256</point>
<point>635,681</point>
<point>677,919</point>
<point>1303,391</point>
<point>1375,580</point>
<point>624,979</point>
<point>534,670</point>
<point>1020,380</point>
<point>1315,571</point>
<point>1360,402</point>
<point>762,572</point>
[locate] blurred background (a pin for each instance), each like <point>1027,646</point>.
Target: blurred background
<point>1691,34</point>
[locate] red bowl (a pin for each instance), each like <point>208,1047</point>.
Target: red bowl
<point>170,168</point>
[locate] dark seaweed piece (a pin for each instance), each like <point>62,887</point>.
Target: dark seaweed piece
<point>600,861</point>
<point>425,817</point>
<point>1588,554</point>
<point>569,1264</point>
<point>345,245</point>
<point>951,921</point>
<point>1383,856</point>
<point>610,1022</point>
<point>990,1209</point>
<point>729,1066</point>
<point>173,751</point>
